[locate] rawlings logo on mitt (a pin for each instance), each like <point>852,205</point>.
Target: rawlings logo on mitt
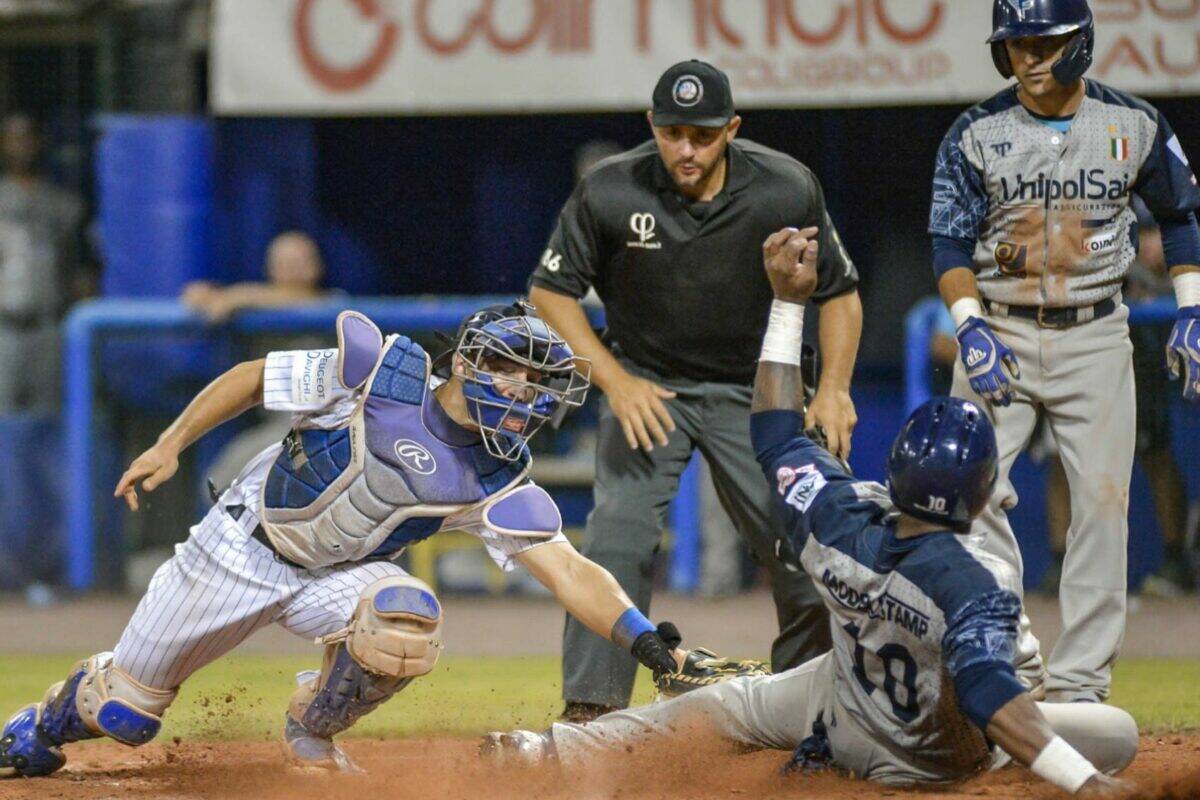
<point>703,668</point>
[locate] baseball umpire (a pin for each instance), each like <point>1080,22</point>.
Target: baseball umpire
<point>670,235</point>
<point>1032,236</point>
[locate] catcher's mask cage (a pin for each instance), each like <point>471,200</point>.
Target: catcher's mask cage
<point>510,410</point>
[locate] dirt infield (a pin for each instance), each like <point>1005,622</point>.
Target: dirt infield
<point>1166,769</point>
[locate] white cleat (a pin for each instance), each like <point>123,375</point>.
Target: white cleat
<point>313,754</point>
<point>517,748</point>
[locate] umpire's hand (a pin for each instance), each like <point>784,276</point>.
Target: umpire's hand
<point>638,405</point>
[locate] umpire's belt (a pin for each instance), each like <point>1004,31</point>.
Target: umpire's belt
<point>1047,317</point>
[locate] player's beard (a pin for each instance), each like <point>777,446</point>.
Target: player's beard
<point>696,177</point>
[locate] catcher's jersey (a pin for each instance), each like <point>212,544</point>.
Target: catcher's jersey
<point>909,616</point>
<point>306,384</point>
<point>1047,211</point>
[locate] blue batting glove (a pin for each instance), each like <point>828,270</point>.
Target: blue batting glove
<point>1183,351</point>
<point>986,358</point>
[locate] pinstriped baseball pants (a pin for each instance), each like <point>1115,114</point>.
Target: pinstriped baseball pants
<point>220,587</point>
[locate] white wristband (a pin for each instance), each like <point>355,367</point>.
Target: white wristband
<point>785,334</point>
<point>1187,289</point>
<point>1062,765</point>
<point>964,308</point>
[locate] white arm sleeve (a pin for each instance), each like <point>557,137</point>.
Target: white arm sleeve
<point>303,381</point>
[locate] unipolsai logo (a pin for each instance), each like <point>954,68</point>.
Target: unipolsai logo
<point>643,224</point>
<point>415,457</point>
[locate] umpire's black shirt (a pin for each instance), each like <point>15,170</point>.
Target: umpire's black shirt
<point>682,282</point>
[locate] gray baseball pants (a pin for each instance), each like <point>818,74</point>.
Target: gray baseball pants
<point>633,489</point>
<point>778,711</point>
<point>1081,379</point>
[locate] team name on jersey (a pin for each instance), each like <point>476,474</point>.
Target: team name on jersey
<point>884,607</point>
<point>1093,184</point>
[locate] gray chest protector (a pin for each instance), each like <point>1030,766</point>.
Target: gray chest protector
<point>383,480</point>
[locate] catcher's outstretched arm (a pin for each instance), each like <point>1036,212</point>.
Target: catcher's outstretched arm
<point>592,595</point>
<point>235,391</point>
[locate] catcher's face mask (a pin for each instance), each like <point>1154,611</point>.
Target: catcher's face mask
<point>516,373</point>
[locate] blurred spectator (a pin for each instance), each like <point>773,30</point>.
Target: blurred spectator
<point>293,271</point>
<point>39,267</point>
<point>1148,280</point>
<point>592,153</point>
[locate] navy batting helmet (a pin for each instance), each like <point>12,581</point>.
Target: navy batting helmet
<point>1015,19</point>
<point>943,462</point>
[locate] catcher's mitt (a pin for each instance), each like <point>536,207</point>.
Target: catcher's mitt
<point>703,668</point>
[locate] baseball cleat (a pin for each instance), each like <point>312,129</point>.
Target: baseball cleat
<point>517,748</point>
<point>25,750</point>
<point>308,753</point>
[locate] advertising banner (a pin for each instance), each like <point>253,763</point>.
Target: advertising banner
<point>492,56</point>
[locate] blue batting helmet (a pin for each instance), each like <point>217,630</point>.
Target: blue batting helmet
<point>510,411</point>
<point>1015,19</point>
<point>943,462</point>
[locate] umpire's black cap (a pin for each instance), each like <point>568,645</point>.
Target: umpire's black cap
<point>692,93</point>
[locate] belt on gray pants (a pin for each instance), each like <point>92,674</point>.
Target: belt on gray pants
<point>1047,317</point>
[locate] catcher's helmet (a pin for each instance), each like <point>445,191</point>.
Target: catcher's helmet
<point>516,334</point>
<point>943,462</point>
<point>1015,19</point>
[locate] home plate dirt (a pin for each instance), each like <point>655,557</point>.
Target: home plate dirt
<point>1167,768</point>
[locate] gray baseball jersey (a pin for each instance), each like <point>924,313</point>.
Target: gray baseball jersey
<point>1043,214</point>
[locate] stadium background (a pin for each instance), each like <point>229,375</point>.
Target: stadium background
<point>192,150</point>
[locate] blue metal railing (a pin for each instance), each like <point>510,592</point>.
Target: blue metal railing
<point>90,321</point>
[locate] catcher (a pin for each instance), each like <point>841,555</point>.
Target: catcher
<point>382,454</point>
<point>919,686</point>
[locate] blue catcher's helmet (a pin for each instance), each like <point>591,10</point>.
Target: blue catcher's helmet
<point>1015,19</point>
<point>509,411</point>
<point>943,463</point>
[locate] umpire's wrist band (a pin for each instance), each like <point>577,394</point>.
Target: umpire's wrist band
<point>628,627</point>
<point>1187,289</point>
<point>784,338</point>
<point>1062,765</point>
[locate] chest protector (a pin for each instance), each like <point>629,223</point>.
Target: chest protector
<point>382,480</point>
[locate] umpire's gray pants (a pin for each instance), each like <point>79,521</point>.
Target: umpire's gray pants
<point>633,489</point>
<point>1081,379</point>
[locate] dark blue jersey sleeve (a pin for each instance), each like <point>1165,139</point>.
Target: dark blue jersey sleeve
<point>960,200</point>
<point>978,650</point>
<point>804,475</point>
<point>1165,181</point>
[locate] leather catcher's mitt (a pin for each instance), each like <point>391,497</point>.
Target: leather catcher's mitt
<point>704,668</point>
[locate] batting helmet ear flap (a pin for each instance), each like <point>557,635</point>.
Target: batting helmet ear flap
<point>1000,59</point>
<point>1076,58</point>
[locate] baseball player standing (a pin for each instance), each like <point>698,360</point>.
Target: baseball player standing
<point>915,609</point>
<point>1032,236</point>
<point>670,235</point>
<point>382,454</point>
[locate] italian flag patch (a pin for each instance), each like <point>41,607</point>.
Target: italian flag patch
<point>1118,145</point>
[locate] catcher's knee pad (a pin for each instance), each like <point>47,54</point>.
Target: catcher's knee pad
<point>109,702</point>
<point>394,636</point>
<point>396,630</point>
